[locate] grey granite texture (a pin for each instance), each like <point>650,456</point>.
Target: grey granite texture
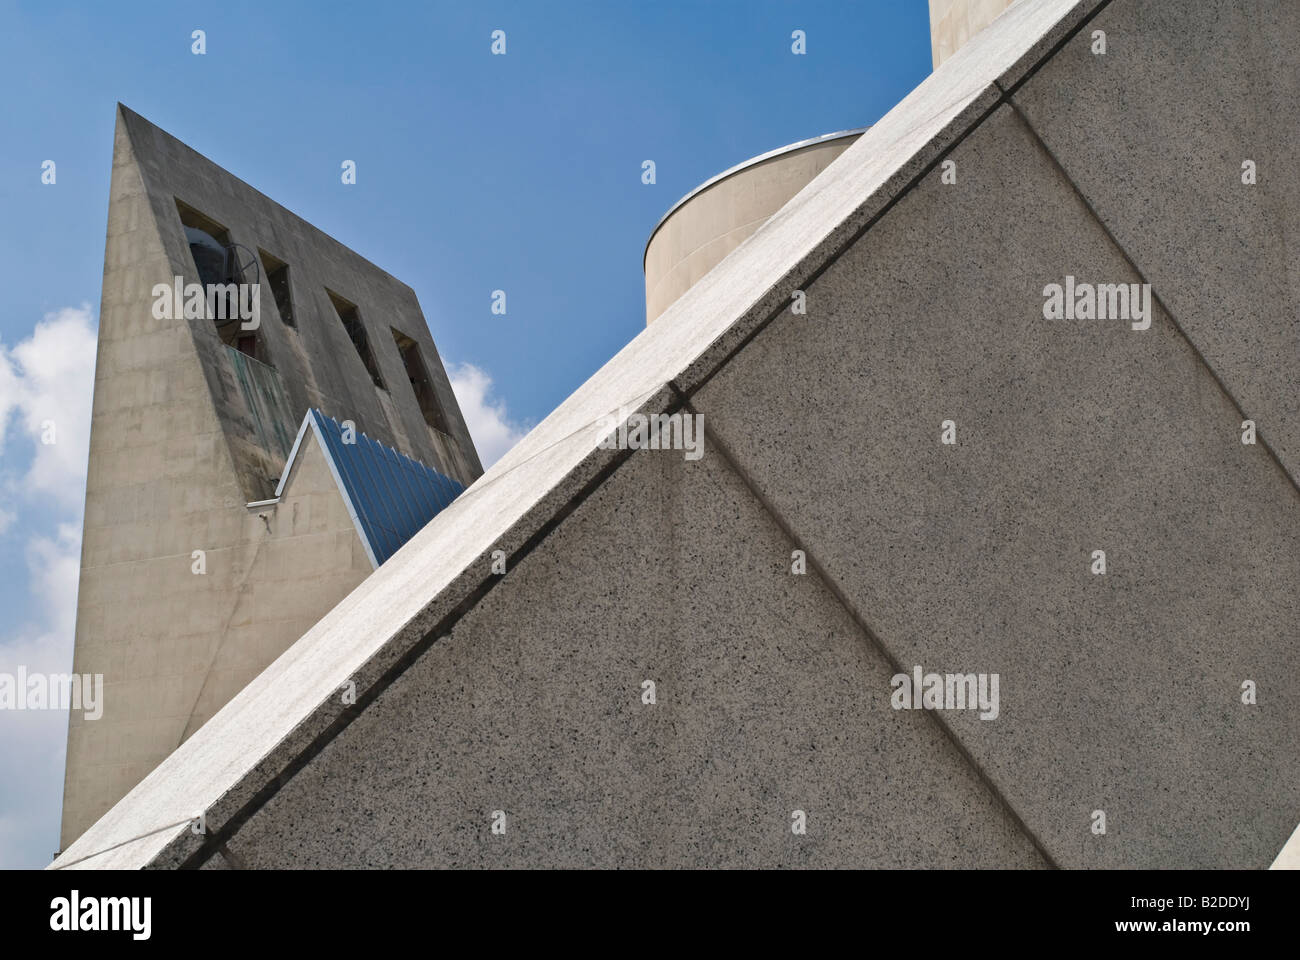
<point>1154,134</point>
<point>769,699</point>
<point>1120,692</point>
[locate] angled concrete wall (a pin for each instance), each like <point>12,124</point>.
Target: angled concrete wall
<point>1289,857</point>
<point>155,441</point>
<point>1162,694</point>
<point>1072,436</point>
<point>1169,164</point>
<point>769,699</point>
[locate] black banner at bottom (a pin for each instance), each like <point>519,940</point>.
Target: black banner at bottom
<point>339,909</point>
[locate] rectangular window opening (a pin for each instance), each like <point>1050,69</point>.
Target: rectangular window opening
<point>218,263</point>
<point>209,244</point>
<point>418,374</point>
<point>356,331</point>
<point>277,278</point>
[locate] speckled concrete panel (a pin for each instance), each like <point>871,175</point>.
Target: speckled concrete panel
<point>1120,692</point>
<point>1154,133</point>
<point>768,700</point>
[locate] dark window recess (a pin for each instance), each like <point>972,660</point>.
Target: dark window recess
<point>419,377</point>
<point>221,262</point>
<point>209,245</point>
<point>277,278</point>
<point>356,330</point>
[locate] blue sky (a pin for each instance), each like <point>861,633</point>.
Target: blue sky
<point>474,173</point>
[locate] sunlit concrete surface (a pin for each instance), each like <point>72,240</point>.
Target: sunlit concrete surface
<point>953,22</point>
<point>717,216</point>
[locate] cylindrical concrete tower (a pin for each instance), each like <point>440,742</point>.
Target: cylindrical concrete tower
<point>712,220</point>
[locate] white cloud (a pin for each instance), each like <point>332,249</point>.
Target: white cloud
<point>493,431</point>
<point>45,381</point>
<point>55,566</point>
<point>32,743</point>
<point>48,380</point>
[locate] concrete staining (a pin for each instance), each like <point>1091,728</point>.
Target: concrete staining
<point>186,593</point>
<point>501,719</point>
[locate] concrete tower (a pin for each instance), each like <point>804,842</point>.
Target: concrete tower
<point>213,538</point>
<point>701,228</point>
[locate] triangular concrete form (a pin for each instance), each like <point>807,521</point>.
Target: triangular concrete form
<point>485,699</point>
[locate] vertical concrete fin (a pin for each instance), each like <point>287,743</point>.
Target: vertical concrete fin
<point>150,444</point>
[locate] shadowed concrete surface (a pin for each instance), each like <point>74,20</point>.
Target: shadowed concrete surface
<point>672,572</point>
<point>517,699</point>
<point>1154,135</point>
<point>1071,436</point>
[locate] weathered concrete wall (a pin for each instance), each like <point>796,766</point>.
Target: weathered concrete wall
<point>301,556</point>
<point>716,218</point>
<point>160,484</point>
<point>971,558</point>
<point>316,362</point>
<point>185,431</point>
